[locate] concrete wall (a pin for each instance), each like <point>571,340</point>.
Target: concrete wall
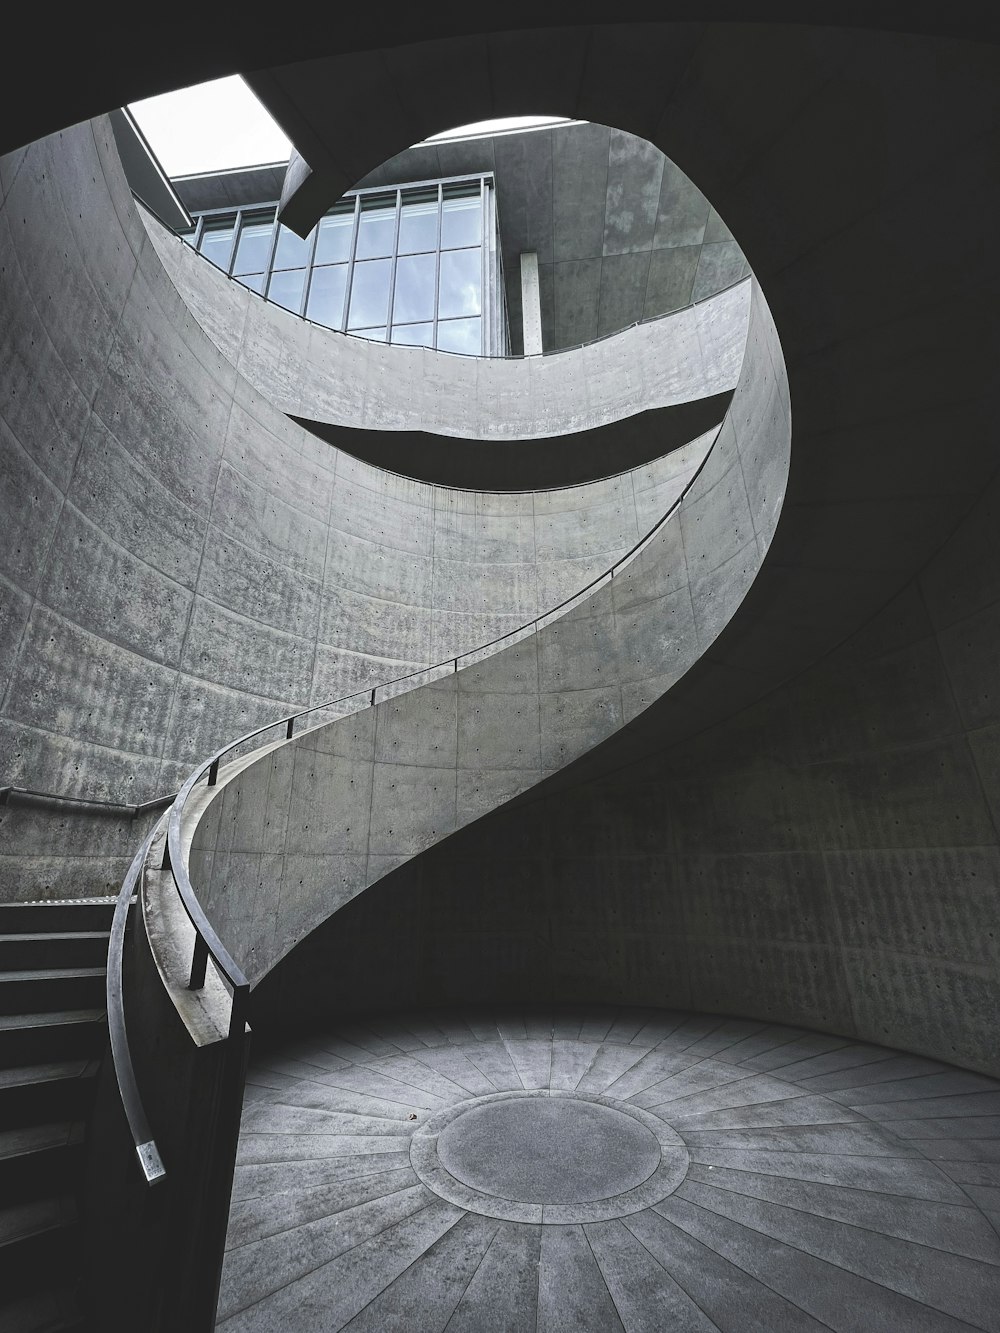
<point>63,850</point>
<point>841,159</point>
<point>182,561</point>
<point>297,834</point>
<point>621,233</point>
<point>827,858</point>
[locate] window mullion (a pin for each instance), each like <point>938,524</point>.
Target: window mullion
<point>390,311</point>
<point>234,243</point>
<point>437,265</point>
<point>485,297</point>
<point>272,250</point>
<point>310,261</point>
<point>349,286</point>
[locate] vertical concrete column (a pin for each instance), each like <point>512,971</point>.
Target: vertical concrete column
<point>531,305</point>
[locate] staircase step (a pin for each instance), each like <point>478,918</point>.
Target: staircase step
<point>38,989</point>
<point>51,1311</point>
<point>37,918</point>
<point>37,1239</point>
<point>43,1093</point>
<point>23,950</point>
<point>27,1039</point>
<point>39,1160</point>
<point>28,1219</point>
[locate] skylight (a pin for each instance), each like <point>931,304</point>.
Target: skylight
<point>221,126</point>
<point>210,127</point>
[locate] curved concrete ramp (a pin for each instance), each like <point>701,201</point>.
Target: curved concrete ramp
<point>185,563</point>
<point>292,837</point>
<point>666,1171</point>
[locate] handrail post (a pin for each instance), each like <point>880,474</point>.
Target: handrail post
<point>289,728</point>
<point>213,773</point>
<point>372,704</point>
<point>237,1015</point>
<point>199,963</point>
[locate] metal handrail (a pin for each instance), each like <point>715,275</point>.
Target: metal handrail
<point>121,1057</point>
<point>136,808</point>
<point>207,942</point>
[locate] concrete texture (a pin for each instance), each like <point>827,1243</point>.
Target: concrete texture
<point>307,827</point>
<point>543,1155</point>
<point>816,147</point>
<point>528,1149</point>
<point>181,561</point>
<point>315,373</point>
<point>531,305</point>
<point>826,858</point>
<point>471,423</point>
<point>820,1184</point>
<point>884,345</point>
<point>65,850</point>
<point>230,189</point>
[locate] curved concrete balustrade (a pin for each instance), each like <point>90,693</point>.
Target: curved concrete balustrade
<point>296,835</point>
<point>315,373</point>
<point>183,561</point>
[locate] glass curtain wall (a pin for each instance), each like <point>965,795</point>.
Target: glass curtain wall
<point>418,264</point>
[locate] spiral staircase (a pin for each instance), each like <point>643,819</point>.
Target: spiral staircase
<point>333,798</point>
<point>800,1179</point>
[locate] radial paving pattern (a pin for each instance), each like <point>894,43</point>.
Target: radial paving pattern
<point>610,1169</point>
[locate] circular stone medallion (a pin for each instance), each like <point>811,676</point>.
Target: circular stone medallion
<point>549,1157</point>
<point>548,1150</point>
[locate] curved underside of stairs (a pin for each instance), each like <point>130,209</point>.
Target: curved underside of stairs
<point>283,842</point>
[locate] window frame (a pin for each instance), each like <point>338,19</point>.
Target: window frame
<point>494,337</point>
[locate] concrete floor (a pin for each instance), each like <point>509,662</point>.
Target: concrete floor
<point>610,1169</point>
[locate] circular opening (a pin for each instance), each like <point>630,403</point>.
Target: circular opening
<point>442,247</point>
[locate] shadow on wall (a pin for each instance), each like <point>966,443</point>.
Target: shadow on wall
<point>309,825</point>
<point>827,859</point>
